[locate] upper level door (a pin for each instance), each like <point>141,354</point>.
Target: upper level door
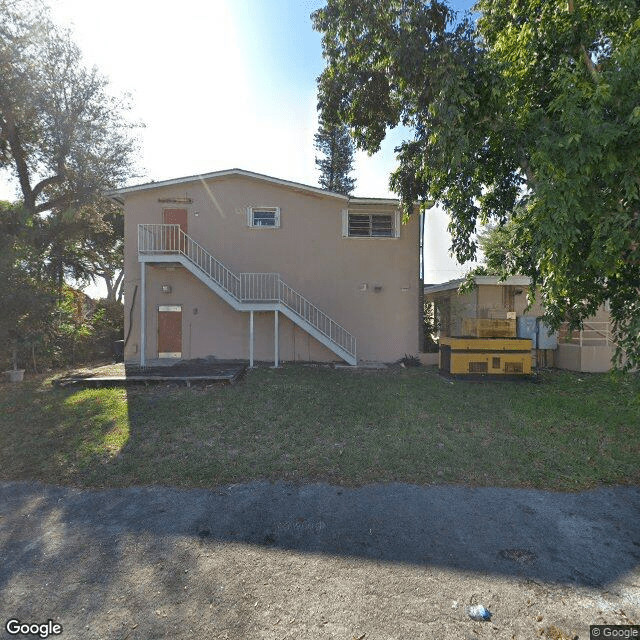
<point>174,239</point>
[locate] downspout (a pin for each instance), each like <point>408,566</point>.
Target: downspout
<point>133,302</point>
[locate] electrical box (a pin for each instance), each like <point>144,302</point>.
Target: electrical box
<point>528,328</point>
<point>547,339</point>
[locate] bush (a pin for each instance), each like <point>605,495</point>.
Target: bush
<point>80,330</point>
<point>108,326</point>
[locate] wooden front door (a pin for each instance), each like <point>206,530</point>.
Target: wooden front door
<point>176,216</point>
<point>170,331</point>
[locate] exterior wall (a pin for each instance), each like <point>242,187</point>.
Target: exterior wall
<point>308,251</point>
<point>586,359</point>
<point>454,309</point>
<point>590,350</point>
<point>497,300</point>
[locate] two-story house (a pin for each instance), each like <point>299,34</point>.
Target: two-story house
<point>239,265</point>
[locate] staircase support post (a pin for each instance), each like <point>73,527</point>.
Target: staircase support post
<point>143,312</point>
<point>251,339</point>
<point>275,338</point>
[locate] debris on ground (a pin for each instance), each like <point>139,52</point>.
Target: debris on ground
<point>478,612</point>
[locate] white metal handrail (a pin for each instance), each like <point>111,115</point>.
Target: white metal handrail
<point>317,318</point>
<point>259,287</point>
<point>244,287</point>
<point>169,238</point>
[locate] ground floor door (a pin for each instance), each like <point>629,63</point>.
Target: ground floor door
<point>170,331</point>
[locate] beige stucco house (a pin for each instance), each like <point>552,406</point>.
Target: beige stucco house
<point>590,349</point>
<point>239,265</point>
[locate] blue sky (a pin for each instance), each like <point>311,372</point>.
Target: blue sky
<point>222,84</point>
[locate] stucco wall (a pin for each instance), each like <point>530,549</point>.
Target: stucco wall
<point>585,358</point>
<point>308,251</point>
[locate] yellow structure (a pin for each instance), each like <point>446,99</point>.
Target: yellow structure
<point>489,327</point>
<point>501,356</point>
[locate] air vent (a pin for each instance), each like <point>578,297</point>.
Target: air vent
<point>495,364</point>
<point>477,367</point>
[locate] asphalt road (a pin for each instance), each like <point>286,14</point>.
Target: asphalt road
<point>276,561</point>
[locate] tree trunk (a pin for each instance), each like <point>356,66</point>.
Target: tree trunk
<point>120,286</point>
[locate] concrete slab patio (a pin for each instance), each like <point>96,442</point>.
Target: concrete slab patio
<point>279,560</point>
<point>183,372</point>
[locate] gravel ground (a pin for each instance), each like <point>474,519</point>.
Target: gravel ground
<point>275,561</point>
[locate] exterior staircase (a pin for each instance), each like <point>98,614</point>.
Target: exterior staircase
<point>243,291</point>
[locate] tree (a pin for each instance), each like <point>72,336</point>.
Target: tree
<point>85,245</point>
<point>62,135</point>
<point>58,324</point>
<point>334,141</point>
<point>105,250</point>
<point>26,301</point>
<point>502,244</point>
<point>531,112</point>
<point>65,139</point>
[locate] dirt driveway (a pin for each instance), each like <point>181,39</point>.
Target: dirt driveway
<point>274,561</point>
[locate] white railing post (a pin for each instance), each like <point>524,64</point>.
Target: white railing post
<point>251,339</point>
<point>275,339</point>
<point>143,311</point>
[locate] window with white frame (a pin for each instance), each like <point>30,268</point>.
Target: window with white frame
<point>263,217</point>
<point>370,225</point>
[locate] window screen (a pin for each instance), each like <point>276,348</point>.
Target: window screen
<point>264,217</point>
<point>371,225</point>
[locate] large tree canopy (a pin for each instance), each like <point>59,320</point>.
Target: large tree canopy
<point>530,113</point>
<point>62,135</point>
<point>64,139</point>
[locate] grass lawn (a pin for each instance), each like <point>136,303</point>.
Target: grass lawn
<point>567,432</point>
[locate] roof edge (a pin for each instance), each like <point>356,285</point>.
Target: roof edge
<point>517,281</point>
<point>147,186</point>
<point>359,200</point>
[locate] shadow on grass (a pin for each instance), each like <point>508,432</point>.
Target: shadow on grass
<point>55,435</point>
<point>281,429</point>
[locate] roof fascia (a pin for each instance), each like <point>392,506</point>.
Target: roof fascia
<point>374,201</point>
<point>148,186</point>
<point>517,281</point>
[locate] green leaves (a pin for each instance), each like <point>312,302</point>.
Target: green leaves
<point>531,113</point>
<point>63,135</point>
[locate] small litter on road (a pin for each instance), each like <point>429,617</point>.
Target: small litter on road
<point>478,612</point>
